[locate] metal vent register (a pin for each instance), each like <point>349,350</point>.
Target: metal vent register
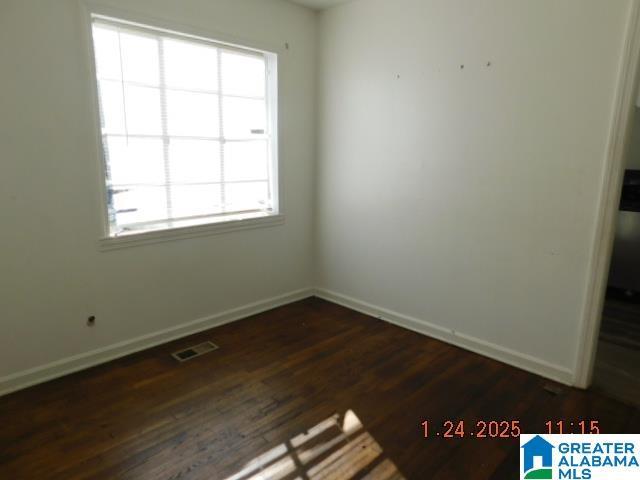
<point>193,352</point>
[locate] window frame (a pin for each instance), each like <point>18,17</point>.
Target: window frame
<point>213,224</point>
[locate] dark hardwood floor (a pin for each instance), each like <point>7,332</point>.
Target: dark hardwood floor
<point>311,391</point>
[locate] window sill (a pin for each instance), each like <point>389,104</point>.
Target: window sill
<point>168,235</point>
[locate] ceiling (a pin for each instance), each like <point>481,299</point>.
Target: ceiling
<point>319,4</point>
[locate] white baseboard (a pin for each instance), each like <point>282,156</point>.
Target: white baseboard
<point>482,347</point>
<point>33,376</point>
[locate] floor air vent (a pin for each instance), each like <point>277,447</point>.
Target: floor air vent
<point>193,352</point>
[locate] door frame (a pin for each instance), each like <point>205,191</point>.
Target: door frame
<point>602,248</point>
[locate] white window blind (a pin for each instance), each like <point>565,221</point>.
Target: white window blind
<point>186,129</point>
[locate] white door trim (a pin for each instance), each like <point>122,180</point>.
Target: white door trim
<point>601,251</point>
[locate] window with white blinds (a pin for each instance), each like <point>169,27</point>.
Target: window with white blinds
<point>187,129</point>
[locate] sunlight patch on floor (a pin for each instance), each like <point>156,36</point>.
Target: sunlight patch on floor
<point>338,448</point>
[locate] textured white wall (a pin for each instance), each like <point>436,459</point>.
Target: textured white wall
<point>52,275</point>
<point>467,197</point>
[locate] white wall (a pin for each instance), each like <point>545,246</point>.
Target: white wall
<point>459,202</point>
<point>52,275</point>
<point>462,201</point>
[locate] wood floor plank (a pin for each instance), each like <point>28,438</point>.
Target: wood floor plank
<point>280,377</point>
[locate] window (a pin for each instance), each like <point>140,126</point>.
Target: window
<point>187,126</point>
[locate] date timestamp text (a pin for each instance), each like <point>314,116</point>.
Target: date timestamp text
<point>504,428</point>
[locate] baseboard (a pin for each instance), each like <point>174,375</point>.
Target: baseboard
<point>41,374</point>
<point>476,345</point>
<point>33,376</point>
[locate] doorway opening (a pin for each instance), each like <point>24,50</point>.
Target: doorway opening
<point>617,365</point>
